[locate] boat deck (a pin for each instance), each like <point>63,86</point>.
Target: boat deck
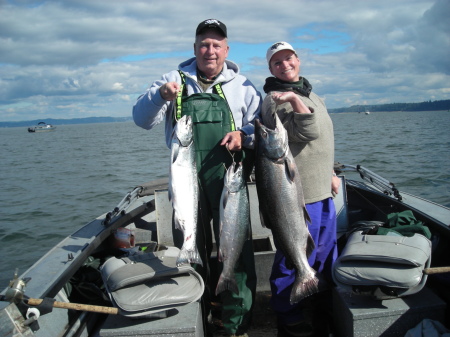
<point>150,216</point>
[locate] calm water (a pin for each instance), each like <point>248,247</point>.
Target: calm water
<point>53,183</point>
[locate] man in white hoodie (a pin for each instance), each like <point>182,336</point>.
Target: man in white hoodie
<point>209,76</point>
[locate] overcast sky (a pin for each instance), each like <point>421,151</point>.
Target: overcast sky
<point>84,58</point>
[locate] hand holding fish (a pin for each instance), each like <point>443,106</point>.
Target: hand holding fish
<point>233,140</point>
<point>169,90</point>
<point>293,98</point>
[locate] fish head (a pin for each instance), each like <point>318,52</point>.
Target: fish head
<point>234,177</point>
<point>182,132</point>
<point>272,143</point>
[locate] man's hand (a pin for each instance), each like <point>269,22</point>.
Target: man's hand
<point>169,90</point>
<point>233,140</point>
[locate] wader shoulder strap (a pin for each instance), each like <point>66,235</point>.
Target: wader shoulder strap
<point>183,92</point>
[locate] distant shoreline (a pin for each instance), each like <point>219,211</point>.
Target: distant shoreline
<point>443,105</point>
<point>393,111</point>
<point>53,121</point>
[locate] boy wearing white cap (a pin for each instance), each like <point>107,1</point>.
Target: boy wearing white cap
<point>311,141</point>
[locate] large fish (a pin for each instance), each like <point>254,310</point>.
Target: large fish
<point>282,205</point>
<point>234,225</point>
<point>183,189</point>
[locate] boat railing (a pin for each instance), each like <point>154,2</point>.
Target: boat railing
<point>377,181</point>
<point>123,205</point>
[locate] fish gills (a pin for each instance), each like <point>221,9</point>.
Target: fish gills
<point>282,205</point>
<point>183,189</point>
<point>235,226</point>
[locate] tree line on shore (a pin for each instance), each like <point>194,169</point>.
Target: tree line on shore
<point>422,106</point>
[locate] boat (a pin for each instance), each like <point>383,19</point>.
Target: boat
<point>41,127</point>
<point>146,212</point>
<point>367,112</point>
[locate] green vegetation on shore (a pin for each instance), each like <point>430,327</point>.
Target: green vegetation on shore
<point>423,106</point>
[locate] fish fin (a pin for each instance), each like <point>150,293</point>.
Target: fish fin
<point>175,150</point>
<point>249,231</point>
<point>225,198</point>
<point>306,215</point>
<point>169,193</point>
<point>289,264</point>
<point>188,256</point>
<point>310,245</point>
<point>264,221</point>
<point>290,168</point>
<point>220,228</point>
<point>303,288</point>
<point>226,283</point>
<point>219,255</point>
<point>177,222</point>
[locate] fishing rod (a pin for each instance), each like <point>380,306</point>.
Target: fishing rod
<point>32,308</point>
<point>377,181</point>
<point>123,204</point>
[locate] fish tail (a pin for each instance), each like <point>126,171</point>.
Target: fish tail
<point>188,256</point>
<point>226,283</point>
<point>303,288</point>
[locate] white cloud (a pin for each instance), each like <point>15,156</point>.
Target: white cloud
<point>117,86</point>
<point>93,58</point>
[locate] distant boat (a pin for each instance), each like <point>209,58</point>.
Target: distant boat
<point>367,112</point>
<point>42,127</point>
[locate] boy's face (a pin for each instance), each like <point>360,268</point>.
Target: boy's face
<point>285,65</point>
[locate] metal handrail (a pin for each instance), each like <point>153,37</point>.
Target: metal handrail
<point>377,181</point>
<point>123,205</point>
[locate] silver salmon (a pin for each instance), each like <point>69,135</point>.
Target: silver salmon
<point>235,226</point>
<point>282,206</point>
<point>183,189</point>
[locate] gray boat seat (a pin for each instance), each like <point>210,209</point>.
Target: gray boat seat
<point>383,266</point>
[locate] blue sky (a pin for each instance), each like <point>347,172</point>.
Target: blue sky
<point>84,58</point>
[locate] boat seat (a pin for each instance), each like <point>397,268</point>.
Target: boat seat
<point>263,244</point>
<point>341,205</point>
<point>383,266</point>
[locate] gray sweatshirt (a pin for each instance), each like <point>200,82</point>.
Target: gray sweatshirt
<point>243,98</point>
<point>311,141</point>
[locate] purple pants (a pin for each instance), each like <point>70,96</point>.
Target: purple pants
<point>323,231</point>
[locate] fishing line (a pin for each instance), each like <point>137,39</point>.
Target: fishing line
<point>231,154</point>
<point>367,200</point>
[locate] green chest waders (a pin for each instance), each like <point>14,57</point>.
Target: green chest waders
<point>212,120</point>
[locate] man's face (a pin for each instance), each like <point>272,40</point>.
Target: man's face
<point>285,65</point>
<point>211,50</point>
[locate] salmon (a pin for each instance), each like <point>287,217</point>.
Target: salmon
<point>235,226</point>
<point>282,206</point>
<point>183,189</point>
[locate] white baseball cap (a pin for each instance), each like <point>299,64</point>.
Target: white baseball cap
<point>276,47</point>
